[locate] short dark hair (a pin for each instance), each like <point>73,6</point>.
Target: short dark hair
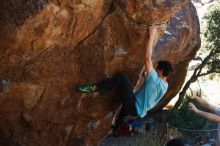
<point>175,142</point>
<point>165,66</point>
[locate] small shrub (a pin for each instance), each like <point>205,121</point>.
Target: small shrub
<point>184,118</point>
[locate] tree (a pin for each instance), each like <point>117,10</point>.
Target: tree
<point>211,62</point>
<point>201,2</point>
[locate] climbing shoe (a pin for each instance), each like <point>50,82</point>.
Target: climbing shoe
<point>86,88</point>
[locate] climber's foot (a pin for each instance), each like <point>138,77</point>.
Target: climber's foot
<point>88,88</point>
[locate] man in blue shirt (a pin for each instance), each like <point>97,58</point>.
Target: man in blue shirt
<point>153,89</point>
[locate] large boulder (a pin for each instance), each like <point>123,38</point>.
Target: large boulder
<point>47,48</point>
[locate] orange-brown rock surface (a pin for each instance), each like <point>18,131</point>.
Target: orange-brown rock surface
<point>49,47</point>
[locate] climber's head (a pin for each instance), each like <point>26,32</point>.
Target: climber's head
<point>164,68</point>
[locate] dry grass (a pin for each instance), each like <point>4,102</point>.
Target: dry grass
<point>152,139</point>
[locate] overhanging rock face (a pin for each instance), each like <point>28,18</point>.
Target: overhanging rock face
<point>47,48</point>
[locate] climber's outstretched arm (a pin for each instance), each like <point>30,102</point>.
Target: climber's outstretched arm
<point>149,48</point>
<point>209,116</point>
<point>203,103</point>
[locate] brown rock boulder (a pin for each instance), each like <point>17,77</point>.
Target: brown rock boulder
<point>150,12</point>
<point>49,47</point>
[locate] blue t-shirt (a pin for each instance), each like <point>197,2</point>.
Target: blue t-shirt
<point>150,93</point>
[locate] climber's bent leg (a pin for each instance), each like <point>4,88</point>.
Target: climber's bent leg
<point>119,82</point>
<point>123,85</point>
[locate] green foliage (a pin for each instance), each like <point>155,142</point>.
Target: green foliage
<point>212,30</point>
<point>211,39</point>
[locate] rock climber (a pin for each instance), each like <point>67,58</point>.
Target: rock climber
<point>138,103</point>
<point>213,114</point>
